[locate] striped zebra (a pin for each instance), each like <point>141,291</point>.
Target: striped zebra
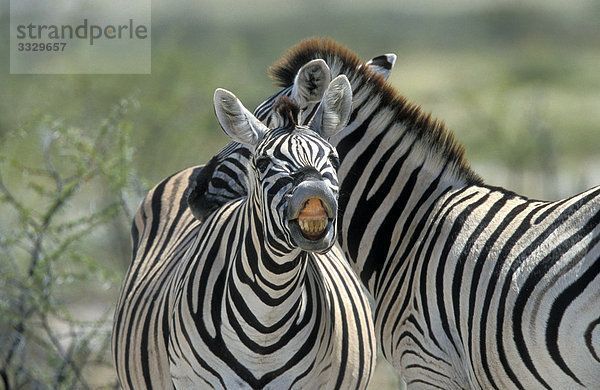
<point>250,296</point>
<point>475,287</point>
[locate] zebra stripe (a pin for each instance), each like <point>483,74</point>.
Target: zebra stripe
<point>474,286</point>
<point>231,301</point>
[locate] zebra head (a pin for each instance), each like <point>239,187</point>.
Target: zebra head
<point>293,166</point>
<point>306,87</point>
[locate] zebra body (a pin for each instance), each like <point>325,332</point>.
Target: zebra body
<point>247,297</point>
<point>494,291</point>
<point>474,286</point>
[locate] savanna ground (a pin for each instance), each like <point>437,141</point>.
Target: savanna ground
<point>517,82</point>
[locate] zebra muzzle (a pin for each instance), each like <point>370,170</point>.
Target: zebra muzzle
<point>312,208</point>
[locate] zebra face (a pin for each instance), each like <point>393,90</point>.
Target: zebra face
<point>295,183</point>
<point>297,188</point>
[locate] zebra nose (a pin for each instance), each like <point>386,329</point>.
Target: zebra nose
<point>311,215</point>
<point>306,192</point>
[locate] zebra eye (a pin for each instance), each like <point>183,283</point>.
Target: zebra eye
<point>335,161</point>
<point>262,163</point>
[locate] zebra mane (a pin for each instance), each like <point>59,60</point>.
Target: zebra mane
<point>341,60</point>
<point>285,69</point>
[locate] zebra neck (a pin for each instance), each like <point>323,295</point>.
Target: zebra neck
<point>396,163</point>
<point>273,292</point>
<point>273,276</point>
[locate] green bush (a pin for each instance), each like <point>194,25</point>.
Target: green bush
<point>56,197</point>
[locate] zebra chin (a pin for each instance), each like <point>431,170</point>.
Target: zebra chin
<point>311,216</point>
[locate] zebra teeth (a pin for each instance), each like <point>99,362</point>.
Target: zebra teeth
<point>312,228</point>
<point>313,219</point>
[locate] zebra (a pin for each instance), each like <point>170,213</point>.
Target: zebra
<point>475,286</point>
<point>250,296</point>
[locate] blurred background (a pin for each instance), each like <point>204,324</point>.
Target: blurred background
<point>517,82</point>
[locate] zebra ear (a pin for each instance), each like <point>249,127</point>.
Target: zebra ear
<point>334,110</point>
<point>237,122</point>
<point>310,82</point>
<point>382,65</point>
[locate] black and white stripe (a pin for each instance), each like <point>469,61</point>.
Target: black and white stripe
<point>475,286</point>
<point>234,300</point>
